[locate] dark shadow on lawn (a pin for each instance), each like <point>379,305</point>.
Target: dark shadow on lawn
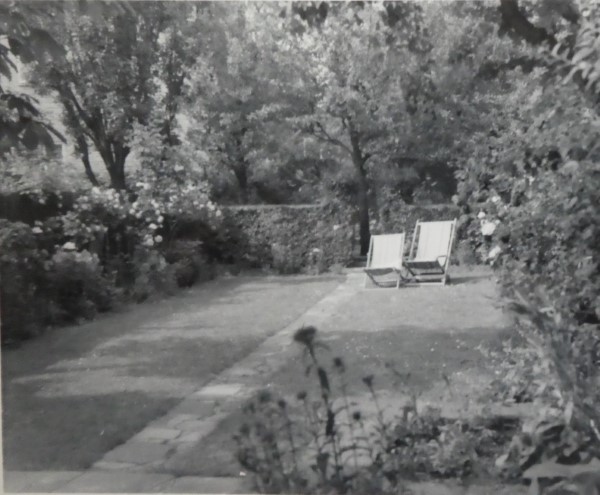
<point>427,356</point>
<point>47,437</point>
<point>468,279</point>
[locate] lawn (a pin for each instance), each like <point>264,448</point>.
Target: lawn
<point>429,333</point>
<point>77,392</point>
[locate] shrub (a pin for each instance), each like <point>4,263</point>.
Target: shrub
<point>153,275</point>
<point>189,262</point>
<point>532,200</point>
<point>283,237</point>
<point>321,443</point>
<point>80,289</point>
<point>22,270</point>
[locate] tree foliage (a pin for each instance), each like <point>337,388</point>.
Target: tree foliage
<point>21,122</point>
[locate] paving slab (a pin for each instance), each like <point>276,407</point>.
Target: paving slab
<point>138,453</point>
<point>110,466</point>
<point>195,407</point>
<point>198,484</point>
<point>177,419</point>
<point>37,481</point>
<point>157,435</point>
<point>115,482</point>
<point>452,488</point>
<point>222,390</point>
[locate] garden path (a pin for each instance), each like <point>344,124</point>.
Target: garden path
<point>185,444</point>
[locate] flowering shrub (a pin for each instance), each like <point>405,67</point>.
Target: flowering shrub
<point>537,181</point>
<point>43,286</point>
<point>80,289</point>
<point>22,269</point>
<point>111,243</point>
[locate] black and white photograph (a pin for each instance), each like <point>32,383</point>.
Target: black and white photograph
<point>300,247</point>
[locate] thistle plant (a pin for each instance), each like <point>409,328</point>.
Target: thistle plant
<point>320,442</point>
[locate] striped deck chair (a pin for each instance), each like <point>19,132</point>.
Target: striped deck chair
<point>430,249</point>
<point>385,257</point>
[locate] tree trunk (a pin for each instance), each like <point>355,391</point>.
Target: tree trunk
<point>82,148</point>
<point>114,158</point>
<point>363,209</point>
<point>359,161</point>
<point>117,177</point>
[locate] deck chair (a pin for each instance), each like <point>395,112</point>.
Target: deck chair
<point>385,257</point>
<point>429,255</point>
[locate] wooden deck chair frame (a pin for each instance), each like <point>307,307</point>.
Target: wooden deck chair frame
<point>418,269</point>
<point>394,266</point>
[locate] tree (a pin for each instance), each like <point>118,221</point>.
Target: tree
<point>108,81</point>
<point>353,69</point>
<point>21,122</point>
<point>236,96</point>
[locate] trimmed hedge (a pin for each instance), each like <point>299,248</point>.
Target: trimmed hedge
<point>294,238</point>
<point>403,217</point>
<point>287,238</point>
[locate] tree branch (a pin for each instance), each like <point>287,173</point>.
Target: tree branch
<point>82,148</point>
<point>320,133</point>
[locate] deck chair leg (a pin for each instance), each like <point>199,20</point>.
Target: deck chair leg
<point>370,277</point>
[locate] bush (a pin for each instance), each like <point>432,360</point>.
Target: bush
<point>531,197</point>
<point>282,237</point>
<point>40,288</point>
<point>189,261</point>
<point>324,444</point>
<point>22,280</point>
<point>153,276</point>
<point>79,288</point>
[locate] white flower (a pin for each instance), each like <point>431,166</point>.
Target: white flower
<point>494,252</point>
<point>336,227</point>
<point>488,228</point>
<point>152,226</point>
<point>149,242</point>
<point>316,250</point>
<point>496,199</point>
<point>481,215</point>
<point>218,214</point>
<point>69,246</point>
<point>158,238</point>
<point>37,230</point>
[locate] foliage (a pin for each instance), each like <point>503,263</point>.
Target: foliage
<point>287,238</point>
<point>533,186</point>
<point>22,264</point>
<point>46,285</point>
<point>36,175</point>
<point>324,444</point>
<point>21,122</point>
<point>80,288</point>
<point>105,92</point>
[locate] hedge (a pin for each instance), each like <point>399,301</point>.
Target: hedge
<point>287,238</point>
